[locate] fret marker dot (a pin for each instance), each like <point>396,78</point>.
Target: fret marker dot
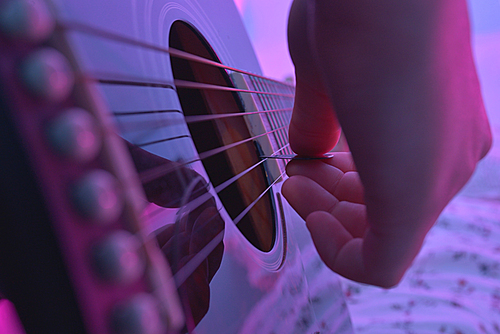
<point>117,258</point>
<point>74,134</point>
<point>139,316</point>
<point>47,74</point>
<point>96,197</point>
<point>26,20</point>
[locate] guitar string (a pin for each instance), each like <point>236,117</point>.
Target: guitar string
<point>89,30</point>
<point>194,85</point>
<point>280,132</point>
<point>173,52</point>
<point>191,265</point>
<point>163,140</point>
<point>183,273</point>
<point>189,268</point>
<point>158,171</point>
<point>86,29</point>
<point>217,189</point>
<point>199,118</point>
<point>194,119</point>
<point>180,83</point>
<point>148,176</point>
<point>206,117</point>
<point>192,205</point>
<point>198,85</point>
<point>199,257</point>
<point>218,150</point>
<point>190,85</point>
<point>212,152</point>
<point>153,124</point>
<point>121,80</point>
<point>145,112</point>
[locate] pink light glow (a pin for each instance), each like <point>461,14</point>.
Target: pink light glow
<point>239,4</point>
<point>266,23</point>
<point>9,322</point>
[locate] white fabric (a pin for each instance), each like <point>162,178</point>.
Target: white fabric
<point>453,285</point>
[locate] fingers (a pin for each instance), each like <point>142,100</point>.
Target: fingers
<point>328,176</point>
<point>339,251</point>
<point>328,234</point>
<point>314,128</point>
<point>342,235</point>
<point>350,188</point>
<point>352,216</point>
<point>380,259</point>
<point>343,161</point>
<point>369,260</point>
<point>344,186</point>
<point>306,196</point>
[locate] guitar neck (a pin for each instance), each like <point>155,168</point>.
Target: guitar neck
<point>135,186</point>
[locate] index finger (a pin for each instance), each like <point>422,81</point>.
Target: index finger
<point>342,161</point>
<point>314,128</point>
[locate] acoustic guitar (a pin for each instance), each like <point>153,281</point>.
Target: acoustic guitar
<point>138,189</point>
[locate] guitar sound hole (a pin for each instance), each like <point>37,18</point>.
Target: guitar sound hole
<point>258,225</point>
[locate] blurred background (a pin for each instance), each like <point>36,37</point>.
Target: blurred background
<point>266,22</point>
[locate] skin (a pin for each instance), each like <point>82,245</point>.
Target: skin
<point>399,78</point>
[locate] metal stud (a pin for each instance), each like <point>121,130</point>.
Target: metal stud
<point>140,315</point>
<point>117,259</point>
<point>26,20</point>
<point>47,74</point>
<point>74,134</point>
<point>96,197</point>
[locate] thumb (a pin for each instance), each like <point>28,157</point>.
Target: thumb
<point>314,128</point>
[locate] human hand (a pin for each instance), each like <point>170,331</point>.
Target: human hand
<point>400,78</point>
<point>336,216</point>
<point>166,184</point>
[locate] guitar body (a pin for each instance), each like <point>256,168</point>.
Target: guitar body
<point>186,213</point>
